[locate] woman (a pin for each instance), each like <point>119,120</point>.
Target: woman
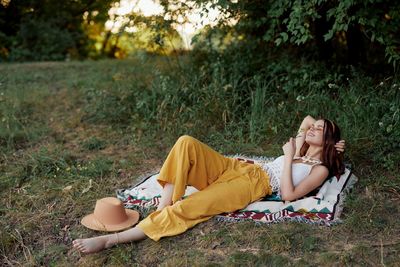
<point>227,184</point>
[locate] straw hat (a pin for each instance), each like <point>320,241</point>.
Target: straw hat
<point>110,215</point>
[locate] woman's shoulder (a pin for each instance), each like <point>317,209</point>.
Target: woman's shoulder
<point>320,168</point>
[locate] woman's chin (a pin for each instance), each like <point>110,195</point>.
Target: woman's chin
<point>313,142</point>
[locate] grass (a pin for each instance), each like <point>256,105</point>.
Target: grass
<point>74,132</point>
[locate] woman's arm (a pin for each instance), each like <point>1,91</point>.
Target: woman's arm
<point>306,124</point>
<point>312,181</point>
<point>301,133</point>
<point>317,176</point>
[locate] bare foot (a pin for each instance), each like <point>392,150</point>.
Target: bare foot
<point>95,244</point>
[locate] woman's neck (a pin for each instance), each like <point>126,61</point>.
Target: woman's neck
<point>314,152</point>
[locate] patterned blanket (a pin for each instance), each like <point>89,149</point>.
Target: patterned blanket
<point>324,208</point>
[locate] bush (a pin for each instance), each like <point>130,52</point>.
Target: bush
<point>345,31</point>
<point>205,100</point>
<point>41,40</point>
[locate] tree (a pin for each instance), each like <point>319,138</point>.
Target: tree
<point>333,27</point>
<point>48,29</point>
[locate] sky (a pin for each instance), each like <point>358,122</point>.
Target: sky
<point>149,7</point>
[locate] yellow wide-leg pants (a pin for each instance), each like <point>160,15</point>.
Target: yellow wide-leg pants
<point>225,185</point>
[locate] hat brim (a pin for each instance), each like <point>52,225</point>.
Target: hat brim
<point>91,222</point>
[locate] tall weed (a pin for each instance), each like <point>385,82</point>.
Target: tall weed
<point>267,105</point>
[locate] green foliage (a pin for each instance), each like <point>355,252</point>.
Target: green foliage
<point>41,40</point>
<point>48,30</point>
<point>14,120</point>
<point>364,30</point>
<point>153,34</point>
<point>55,165</point>
<point>206,102</point>
<point>42,163</point>
<point>376,209</point>
<point>96,168</point>
<point>349,31</point>
<point>19,121</point>
<point>112,106</point>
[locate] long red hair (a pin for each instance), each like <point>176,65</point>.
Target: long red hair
<point>330,157</point>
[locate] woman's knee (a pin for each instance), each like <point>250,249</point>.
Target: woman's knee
<point>186,139</point>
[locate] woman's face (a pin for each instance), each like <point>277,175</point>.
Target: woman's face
<point>315,135</point>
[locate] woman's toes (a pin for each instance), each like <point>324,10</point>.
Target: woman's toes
<point>90,245</point>
<point>78,245</point>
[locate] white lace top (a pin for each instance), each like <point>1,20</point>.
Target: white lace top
<point>275,169</point>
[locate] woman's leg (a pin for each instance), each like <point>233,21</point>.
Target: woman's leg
<point>234,190</point>
<point>90,245</point>
<point>166,196</point>
<point>191,162</point>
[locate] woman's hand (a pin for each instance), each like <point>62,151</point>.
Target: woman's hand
<point>289,149</point>
<point>340,146</point>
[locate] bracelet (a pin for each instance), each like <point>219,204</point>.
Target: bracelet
<point>117,239</point>
<point>300,131</point>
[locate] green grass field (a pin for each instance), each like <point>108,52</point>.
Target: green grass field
<point>74,132</point>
